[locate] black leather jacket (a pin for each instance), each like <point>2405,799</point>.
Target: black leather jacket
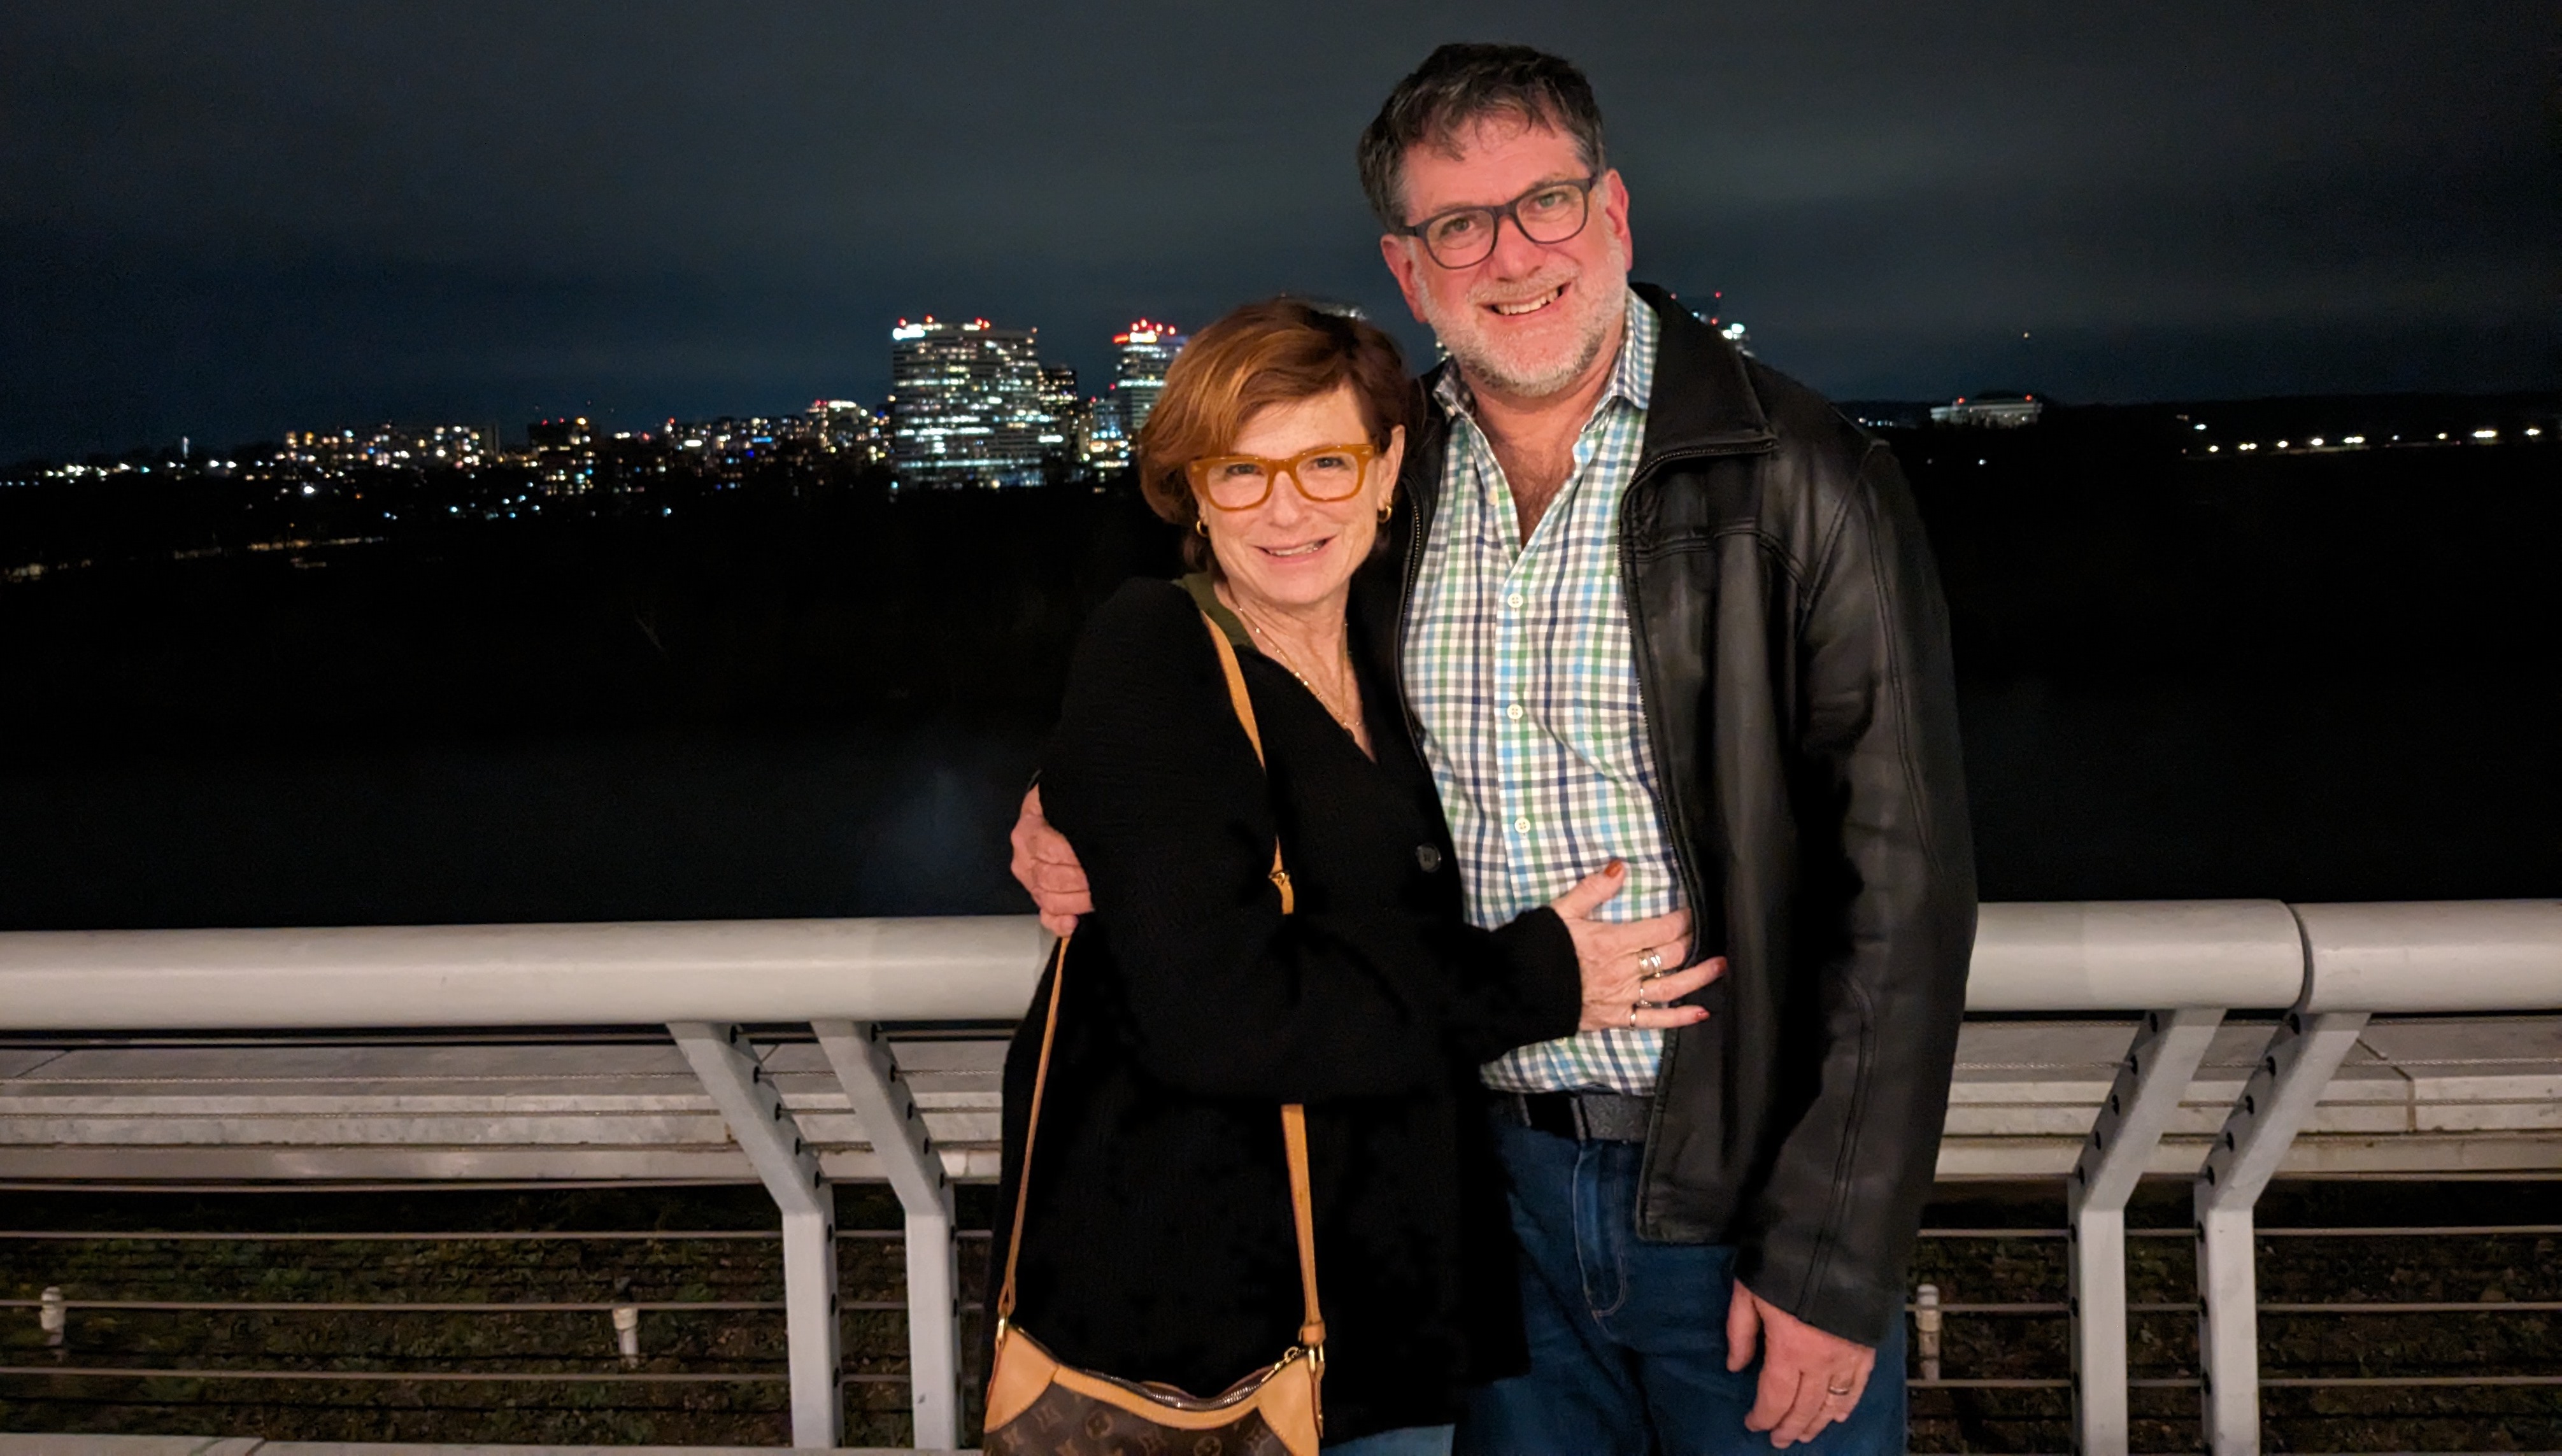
<point>1792,648</point>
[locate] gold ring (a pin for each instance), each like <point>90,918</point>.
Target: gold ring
<point>1651,961</point>
<point>1632,1015</point>
<point>1837,1389</point>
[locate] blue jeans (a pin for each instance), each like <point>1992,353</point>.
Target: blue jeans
<point>1627,1338</point>
<point>1403,1441</point>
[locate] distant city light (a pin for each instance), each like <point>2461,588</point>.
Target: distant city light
<point>2316,442</point>
<point>2201,427</point>
<point>2248,444</point>
<point>1146,332</point>
<point>2212,448</point>
<point>2485,434</point>
<point>2531,431</point>
<point>2352,440</point>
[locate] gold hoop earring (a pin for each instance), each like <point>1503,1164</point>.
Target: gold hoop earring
<point>1202,526</point>
<point>1387,509</point>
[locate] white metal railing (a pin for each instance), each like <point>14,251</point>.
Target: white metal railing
<point>2184,965</point>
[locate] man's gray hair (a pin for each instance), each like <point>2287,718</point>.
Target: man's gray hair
<point>1459,86</point>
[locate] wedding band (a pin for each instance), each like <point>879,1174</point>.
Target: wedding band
<point>1651,961</point>
<point>1837,1389</point>
<point>1632,1015</point>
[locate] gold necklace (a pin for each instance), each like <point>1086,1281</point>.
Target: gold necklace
<point>1272,649</point>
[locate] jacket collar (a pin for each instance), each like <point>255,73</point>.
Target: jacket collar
<point>1704,402</point>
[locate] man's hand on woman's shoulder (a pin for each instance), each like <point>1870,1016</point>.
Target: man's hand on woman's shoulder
<point>1048,868</point>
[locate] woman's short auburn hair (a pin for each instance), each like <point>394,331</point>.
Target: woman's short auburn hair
<point>1269,353</point>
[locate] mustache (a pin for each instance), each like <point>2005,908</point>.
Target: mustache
<point>1521,290</point>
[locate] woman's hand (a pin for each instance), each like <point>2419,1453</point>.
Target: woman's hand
<point>1632,970</point>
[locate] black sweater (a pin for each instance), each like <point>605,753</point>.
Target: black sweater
<point>1158,1245</point>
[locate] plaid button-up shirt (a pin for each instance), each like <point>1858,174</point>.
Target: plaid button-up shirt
<point>1522,670</point>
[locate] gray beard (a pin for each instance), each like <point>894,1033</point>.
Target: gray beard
<point>1481,368</point>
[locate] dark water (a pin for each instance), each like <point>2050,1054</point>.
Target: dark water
<point>2310,680</point>
<point>2321,791</point>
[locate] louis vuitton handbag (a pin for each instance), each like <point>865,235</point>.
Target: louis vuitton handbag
<point>1035,1404</point>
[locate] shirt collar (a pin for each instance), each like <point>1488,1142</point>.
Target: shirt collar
<point>1632,375</point>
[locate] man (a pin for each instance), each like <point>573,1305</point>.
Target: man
<point>1650,600</point>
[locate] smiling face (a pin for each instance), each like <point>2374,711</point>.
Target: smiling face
<point>1290,553</point>
<point>1531,318</point>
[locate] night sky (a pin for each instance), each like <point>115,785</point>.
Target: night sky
<point>226,220</point>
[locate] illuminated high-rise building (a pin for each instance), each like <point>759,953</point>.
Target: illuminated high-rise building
<point>846,428</point>
<point>1064,427</point>
<point>965,405</point>
<point>1106,450</point>
<point>1146,349</point>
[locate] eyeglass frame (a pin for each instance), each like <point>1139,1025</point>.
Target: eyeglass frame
<point>1496,212</point>
<point>1274,467</point>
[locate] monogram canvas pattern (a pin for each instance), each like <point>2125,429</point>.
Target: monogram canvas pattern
<point>1064,1422</point>
<point>1524,676</point>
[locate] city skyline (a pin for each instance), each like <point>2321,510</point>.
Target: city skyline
<point>232,223</point>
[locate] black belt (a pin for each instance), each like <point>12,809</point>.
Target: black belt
<point>1587,1117</point>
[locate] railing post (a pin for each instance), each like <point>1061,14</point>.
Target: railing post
<point>864,1063</point>
<point>726,1061</point>
<point>2165,1055</point>
<point>2276,1104</point>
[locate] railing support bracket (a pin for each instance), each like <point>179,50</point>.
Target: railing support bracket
<point>2150,1081</point>
<point>864,1064</point>
<point>2276,1104</point>
<point>731,1072</point>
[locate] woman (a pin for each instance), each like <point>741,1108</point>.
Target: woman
<point>1158,1238</point>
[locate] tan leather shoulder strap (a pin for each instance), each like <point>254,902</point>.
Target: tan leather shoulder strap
<point>1294,1117</point>
<point>1244,707</point>
<point>1303,1216</point>
<point>1031,1129</point>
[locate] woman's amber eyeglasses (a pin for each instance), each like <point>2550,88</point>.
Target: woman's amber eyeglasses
<point>1243,481</point>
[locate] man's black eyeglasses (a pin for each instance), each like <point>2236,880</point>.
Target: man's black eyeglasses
<point>1462,237</point>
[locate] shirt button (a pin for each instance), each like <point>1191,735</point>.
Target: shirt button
<point>1521,826</point>
<point>1428,857</point>
<point>1514,712</point>
<point>1515,600</point>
